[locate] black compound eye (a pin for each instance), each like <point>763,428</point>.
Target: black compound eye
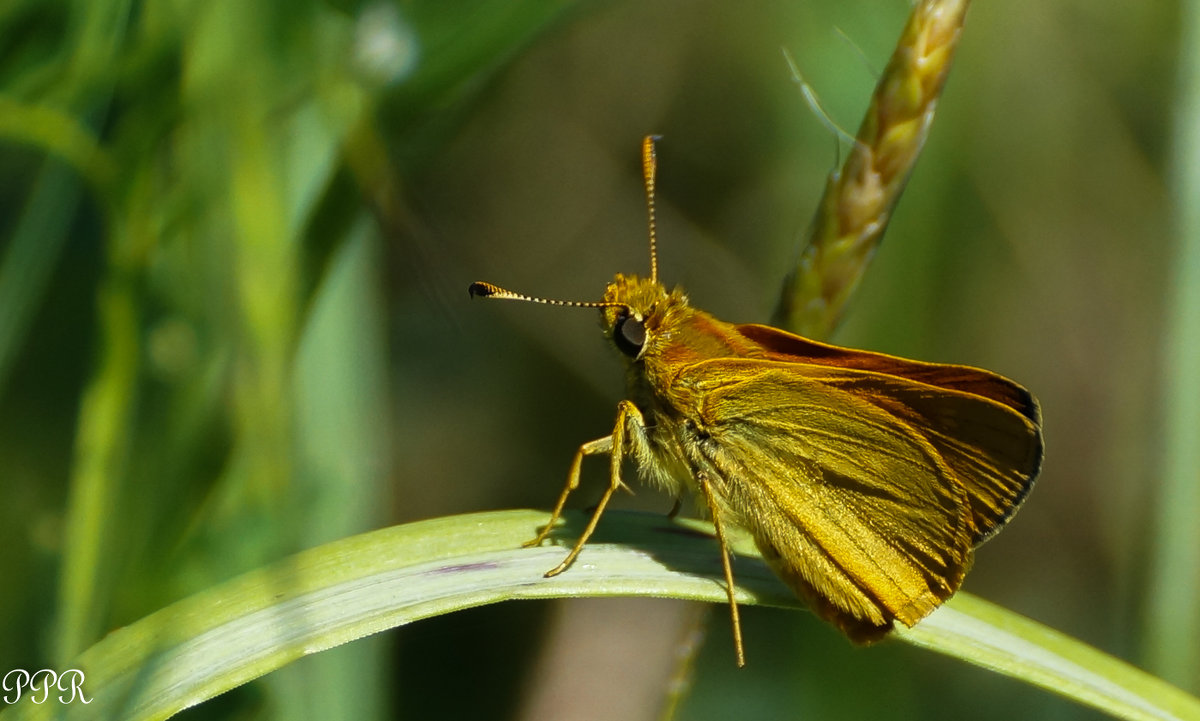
<point>629,334</point>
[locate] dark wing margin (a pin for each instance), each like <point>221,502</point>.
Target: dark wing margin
<point>995,452</point>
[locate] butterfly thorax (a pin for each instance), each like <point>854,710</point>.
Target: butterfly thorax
<point>660,335</point>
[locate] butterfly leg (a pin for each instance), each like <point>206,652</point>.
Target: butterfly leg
<point>628,416</point>
<point>734,617</point>
<point>591,448</point>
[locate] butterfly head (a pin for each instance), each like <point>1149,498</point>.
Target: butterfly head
<point>632,311</point>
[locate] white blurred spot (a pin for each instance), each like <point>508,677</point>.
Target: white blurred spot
<point>386,48</point>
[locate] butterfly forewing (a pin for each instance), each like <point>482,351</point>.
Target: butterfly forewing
<point>986,427</point>
<point>776,344</point>
<point>846,500</point>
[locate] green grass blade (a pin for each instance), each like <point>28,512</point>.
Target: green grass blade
<point>104,434</point>
<point>223,637</point>
<point>987,635</point>
<point>1172,639</point>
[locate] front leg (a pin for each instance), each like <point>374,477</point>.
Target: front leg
<point>629,420</point>
<point>591,448</point>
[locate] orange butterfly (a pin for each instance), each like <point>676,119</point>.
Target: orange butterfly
<point>865,479</point>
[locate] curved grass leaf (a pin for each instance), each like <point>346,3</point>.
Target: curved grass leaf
<point>223,637</point>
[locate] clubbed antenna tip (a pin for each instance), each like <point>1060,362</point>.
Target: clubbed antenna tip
<point>484,290</point>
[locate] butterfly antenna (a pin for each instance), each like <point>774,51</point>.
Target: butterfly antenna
<point>649,170</point>
<point>490,290</point>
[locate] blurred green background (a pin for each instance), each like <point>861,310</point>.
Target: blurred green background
<point>235,241</point>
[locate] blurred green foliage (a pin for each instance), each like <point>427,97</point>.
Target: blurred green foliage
<point>234,245</point>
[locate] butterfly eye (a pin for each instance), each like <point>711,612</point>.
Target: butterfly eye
<point>630,335</point>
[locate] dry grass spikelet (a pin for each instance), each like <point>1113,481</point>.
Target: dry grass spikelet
<point>858,199</point>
